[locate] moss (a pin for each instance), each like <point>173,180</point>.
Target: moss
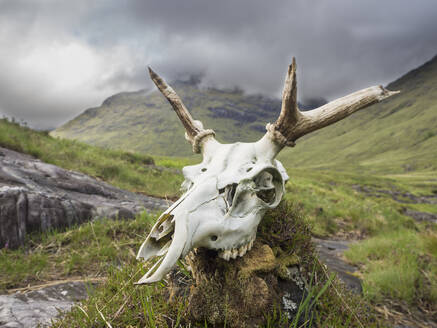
<point>218,294</point>
<point>248,291</point>
<point>286,232</point>
<point>260,259</point>
<point>232,292</point>
<point>284,262</point>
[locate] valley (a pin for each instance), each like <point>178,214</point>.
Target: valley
<point>369,181</point>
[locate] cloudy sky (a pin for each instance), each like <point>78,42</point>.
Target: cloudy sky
<point>58,58</point>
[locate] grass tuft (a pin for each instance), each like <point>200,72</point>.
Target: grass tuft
<point>398,265</point>
<point>87,250</point>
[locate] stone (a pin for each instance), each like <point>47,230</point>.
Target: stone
<point>36,196</point>
<point>39,307</point>
<point>420,216</point>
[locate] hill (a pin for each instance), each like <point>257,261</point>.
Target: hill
<point>143,121</point>
<point>135,172</point>
<point>396,136</point>
<point>396,261</point>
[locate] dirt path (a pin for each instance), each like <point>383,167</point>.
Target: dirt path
<point>330,253</point>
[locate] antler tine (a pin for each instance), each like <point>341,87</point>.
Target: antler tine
<point>194,129</point>
<point>289,111</point>
<point>176,103</point>
<point>293,124</point>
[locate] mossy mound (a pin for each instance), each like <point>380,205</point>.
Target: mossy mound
<point>243,292</point>
<point>279,283</point>
<point>238,293</point>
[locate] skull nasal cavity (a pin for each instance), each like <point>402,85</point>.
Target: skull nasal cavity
<point>230,193</point>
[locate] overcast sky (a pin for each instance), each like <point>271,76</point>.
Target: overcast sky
<point>58,58</point>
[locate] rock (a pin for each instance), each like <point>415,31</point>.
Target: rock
<point>36,196</point>
<point>40,306</point>
<point>420,216</point>
<point>401,197</point>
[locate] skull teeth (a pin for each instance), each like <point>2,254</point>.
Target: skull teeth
<point>233,253</point>
<point>242,250</point>
<point>249,247</point>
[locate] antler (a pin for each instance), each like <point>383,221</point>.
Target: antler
<point>194,129</point>
<point>293,124</point>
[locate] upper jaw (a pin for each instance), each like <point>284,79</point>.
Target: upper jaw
<point>234,252</point>
<point>168,258</point>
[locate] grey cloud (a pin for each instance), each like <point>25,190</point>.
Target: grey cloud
<point>340,46</point>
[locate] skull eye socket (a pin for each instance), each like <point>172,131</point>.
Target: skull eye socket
<point>267,185</point>
<point>267,196</point>
<point>267,182</point>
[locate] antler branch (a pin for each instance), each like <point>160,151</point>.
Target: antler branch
<point>176,103</point>
<point>289,115</point>
<point>293,124</point>
<point>195,132</point>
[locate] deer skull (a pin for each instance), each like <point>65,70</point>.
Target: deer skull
<point>227,194</point>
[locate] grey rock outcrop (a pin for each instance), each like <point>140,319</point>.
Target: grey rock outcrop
<point>36,196</point>
<point>39,307</point>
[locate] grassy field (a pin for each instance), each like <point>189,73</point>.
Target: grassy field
<point>127,170</point>
<point>397,255</point>
<point>89,250</point>
<point>396,136</point>
<point>104,251</point>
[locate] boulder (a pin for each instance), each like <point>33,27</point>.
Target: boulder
<point>36,196</point>
<point>36,308</point>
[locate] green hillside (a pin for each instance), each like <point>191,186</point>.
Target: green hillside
<point>136,172</point>
<point>396,136</point>
<point>397,259</point>
<point>144,121</point>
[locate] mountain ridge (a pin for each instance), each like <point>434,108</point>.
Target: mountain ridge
<point>397,135</point>
<point>130,115</point>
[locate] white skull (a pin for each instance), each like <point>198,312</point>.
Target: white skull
<point>225,198</point>
<point>228,193</point>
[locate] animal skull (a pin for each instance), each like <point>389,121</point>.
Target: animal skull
<point>227,194</point>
